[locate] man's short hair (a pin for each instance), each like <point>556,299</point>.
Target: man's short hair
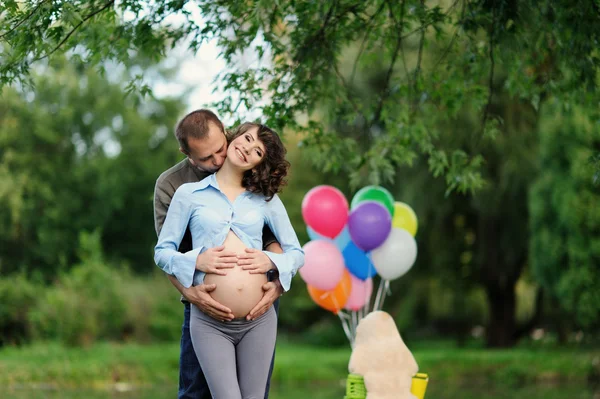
<point>195,125</point>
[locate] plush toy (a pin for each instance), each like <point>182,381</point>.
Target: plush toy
<point>382,358</point>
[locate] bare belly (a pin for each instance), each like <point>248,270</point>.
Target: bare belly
<point>239,290</point>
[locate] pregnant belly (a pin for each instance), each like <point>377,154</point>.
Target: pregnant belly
<point>239,290</point>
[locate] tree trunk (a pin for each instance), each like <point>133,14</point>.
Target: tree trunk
<point>500,332</point>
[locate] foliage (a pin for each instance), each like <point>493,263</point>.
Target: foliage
<point>454,90</point>
<point>565,223</point>
<point>439,57</point>
<point>95,300</point>
<point>17,297</point>
<point>64,149</point>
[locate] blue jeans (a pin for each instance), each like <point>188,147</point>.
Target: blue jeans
<point>192,383</point>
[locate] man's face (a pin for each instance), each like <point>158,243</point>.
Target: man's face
<point>208,153</point>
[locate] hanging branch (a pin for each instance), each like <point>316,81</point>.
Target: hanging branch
<point>346,89</point>
<point>419,58</point>
<point>399,28</point>
<point>492,68</point>
<point>388,77</point>
<point>427,25</point>
<point>84,20</point>
<point>362,44</point>
<point>21,22</point>
<point>454,37</point>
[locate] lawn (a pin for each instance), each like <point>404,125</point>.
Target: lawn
<point>108,366</point>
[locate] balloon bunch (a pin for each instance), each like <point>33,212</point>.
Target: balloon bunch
<point>352,244</point>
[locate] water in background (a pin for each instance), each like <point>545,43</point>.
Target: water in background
<point>328,392</point>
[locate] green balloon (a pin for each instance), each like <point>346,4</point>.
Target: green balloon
<point>374,193</point>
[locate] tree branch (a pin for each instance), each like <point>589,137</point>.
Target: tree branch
<point>454,37</point>
<point>388,77</point>
<point>491,75</point>
<point>347,89</point>
<point>362,44</point>
<point>400,27</point>
<point>85,19</point>
<point>431,23</point>
<point>23,20</point>
<point>420,53</point>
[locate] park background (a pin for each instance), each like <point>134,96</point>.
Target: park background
<point>482,115</point>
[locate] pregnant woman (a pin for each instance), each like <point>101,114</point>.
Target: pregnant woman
<point>230,208</point>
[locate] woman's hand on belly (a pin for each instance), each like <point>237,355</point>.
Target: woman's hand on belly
<point>255,261</point>
<point>216,260</point>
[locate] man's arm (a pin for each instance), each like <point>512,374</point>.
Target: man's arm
<point>162,198</point>
<point>200,296</point>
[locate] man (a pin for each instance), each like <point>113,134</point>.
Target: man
<point>202,140</point>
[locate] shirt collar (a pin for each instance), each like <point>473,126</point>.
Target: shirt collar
<point>210,180</point>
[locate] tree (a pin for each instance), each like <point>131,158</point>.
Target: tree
<point>304,47</point>
<point>565,245</point>
<point>438,59</point>
<point>77,155</point>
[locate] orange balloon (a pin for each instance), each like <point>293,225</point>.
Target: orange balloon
<point>333,300</point>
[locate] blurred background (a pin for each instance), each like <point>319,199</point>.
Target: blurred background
<point>482,115</point>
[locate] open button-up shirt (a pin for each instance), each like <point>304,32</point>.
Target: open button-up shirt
<point>210,215</point>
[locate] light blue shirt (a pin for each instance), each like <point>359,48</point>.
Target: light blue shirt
<point>210,215</point>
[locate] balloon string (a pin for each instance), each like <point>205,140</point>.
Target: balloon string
<point>325,295</point>
<point>375,302</point>
<point>354,323</point>
<point>376,306</point>
<point>386,292</point>
<point>346,329</point>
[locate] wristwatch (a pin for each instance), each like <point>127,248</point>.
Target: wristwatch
<point>272,275</point>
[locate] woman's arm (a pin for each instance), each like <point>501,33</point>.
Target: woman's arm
<point>166,256</point>
<point>292,257</point>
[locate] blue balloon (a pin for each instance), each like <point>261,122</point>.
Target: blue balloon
<point>313,235</point>
<point>341,241</point>
<point>358,262</point>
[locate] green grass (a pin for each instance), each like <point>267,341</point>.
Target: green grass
<point>103,365</point>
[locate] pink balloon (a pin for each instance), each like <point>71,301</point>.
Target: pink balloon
<point>360,293</point>
<point>325,210</point>
<point>323,265</point>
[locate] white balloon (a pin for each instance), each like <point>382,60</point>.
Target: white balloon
<point>396,255</point>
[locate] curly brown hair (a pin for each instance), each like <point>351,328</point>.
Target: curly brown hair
<point>268,177</point>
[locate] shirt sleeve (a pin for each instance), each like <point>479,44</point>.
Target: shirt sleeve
<point>166,256</point>
<point>292,257</point>
<point>162,199</point>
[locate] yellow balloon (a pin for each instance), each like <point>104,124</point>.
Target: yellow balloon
<point>405,218</point>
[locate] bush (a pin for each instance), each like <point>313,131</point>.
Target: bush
<point>17,296</point>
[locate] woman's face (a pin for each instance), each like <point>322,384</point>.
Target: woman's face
<point>246,151</point>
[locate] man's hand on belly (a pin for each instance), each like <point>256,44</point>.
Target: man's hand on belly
<point>215,260</point>
<point>200,296</point>
<point>254,260</point>
<point>271,291</point>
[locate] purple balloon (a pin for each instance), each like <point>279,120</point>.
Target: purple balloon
<point>369,225</point>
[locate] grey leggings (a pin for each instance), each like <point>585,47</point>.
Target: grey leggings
<point>235,356</point>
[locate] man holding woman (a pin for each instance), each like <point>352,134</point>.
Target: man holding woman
<point>219,266</point>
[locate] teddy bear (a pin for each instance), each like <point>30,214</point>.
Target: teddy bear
<point>381,357</point>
